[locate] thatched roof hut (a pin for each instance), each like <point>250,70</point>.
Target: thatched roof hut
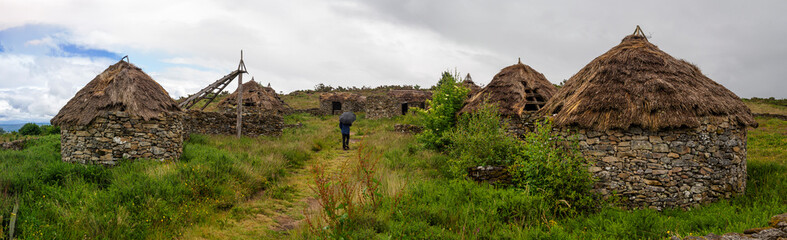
<point>121,87</point>
<point>516,89</point>
<point>256,98</point>
<point>469,84</point>
<point>637,84</point>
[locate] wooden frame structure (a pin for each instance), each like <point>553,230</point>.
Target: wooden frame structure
<point>212,91</point>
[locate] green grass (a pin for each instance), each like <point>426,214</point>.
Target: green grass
<point>144,198</point>
<point>148,199</point>
<point>302,100</point>
<point>434,207</point>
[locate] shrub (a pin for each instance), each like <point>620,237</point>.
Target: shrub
<point>480,139</point>
<point>49,129</point>
<point>447,99</point>
<point>2,131</point>
<point>30,129</point>
<point>560,172</point>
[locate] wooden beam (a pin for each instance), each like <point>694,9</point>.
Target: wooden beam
<point>239,123</point>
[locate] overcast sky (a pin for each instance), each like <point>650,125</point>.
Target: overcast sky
<point>51,49</point>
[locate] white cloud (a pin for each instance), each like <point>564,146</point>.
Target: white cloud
<point>293,45</point>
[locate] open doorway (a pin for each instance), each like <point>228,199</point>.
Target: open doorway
<point>405,108</point>
<point>336,106</point>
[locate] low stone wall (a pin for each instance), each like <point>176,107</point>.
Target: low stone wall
<point>670,168</point>
<point>407,128</point>
<point>383,106</point>
<point>495,175</point>
<point>776,230</point>
<point>253,125</point>
<point>347,106</point>
<point>14,145</point>
<point>116,135</point>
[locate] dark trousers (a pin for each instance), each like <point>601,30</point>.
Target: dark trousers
<point>345,141</point>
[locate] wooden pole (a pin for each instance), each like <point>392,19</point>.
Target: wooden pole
<point>240,98</point>
<point>12,223</point>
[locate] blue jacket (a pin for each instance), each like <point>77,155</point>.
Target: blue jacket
<point>345,128</point>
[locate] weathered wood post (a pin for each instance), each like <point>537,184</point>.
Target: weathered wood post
<point>240,97</point>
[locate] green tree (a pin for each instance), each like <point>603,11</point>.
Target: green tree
<point>2,131</point>
<point>30,129</point>
<point>447,99</point>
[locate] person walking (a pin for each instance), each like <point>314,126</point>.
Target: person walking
<point>345,121</point>
<point>345,135</point>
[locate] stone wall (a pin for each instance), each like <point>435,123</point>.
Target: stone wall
<point>383,106</point>
<point>14,145</point>
<point>387,107</point>
<point>116,135</point>
<point>495,175</point>
<point>347,106</point>
<point>253,125</point>
<point>670,168</point>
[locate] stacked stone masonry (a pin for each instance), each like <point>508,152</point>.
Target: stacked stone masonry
<point>668,168</point>
<point>495,175</point>
<point>254,124</point>
<point>326,107</point>
<point>116,135</point>
<point>382,106</point>
<point>13,145</point>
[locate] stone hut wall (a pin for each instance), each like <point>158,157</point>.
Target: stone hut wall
<point>254,124</point>
<point>347,106</point>
<point>116,135</point>
<point>382,107</point>
<point>670,168</point>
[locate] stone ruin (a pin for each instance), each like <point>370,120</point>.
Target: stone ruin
<point>339,102</point>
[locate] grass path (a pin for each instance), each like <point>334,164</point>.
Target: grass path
<point>279,210</point>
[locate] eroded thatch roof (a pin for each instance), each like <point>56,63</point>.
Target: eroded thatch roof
<point>341,97</point>
<point>256,98</point>
<point>121,87</point>
<point>516,89</point>
<point>637,84</point>
<point>410,95</point>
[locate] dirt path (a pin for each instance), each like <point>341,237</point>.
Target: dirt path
<point>278,209</point>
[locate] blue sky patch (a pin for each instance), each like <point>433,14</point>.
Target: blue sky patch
<point>75,50</point>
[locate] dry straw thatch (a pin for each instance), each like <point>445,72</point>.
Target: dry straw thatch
<point>121,87</point>
<point>516,89</point>
<point>256,98</point>
<point>637,84</point>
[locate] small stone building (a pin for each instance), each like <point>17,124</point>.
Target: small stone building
<point>396,103</point>
<point>121,113</point>
<point>256,99</point>
<point>518,91</point>
<point>661,134</point>
<point>335,103</point>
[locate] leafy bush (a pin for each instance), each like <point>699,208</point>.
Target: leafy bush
<point>2,131</point>
<point>30,129</point>
<point>480,139</point>
<point>49,129</point>
<point>560,172</point>
<point>447,100</point>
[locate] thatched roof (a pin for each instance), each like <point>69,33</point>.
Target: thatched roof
<point>410,95</point>
<point>341,97</point>
<point>256,98</point>
<point>637,84</point>
<point>121,87</point>
<point>516,89</point>
<point>469,84</point>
